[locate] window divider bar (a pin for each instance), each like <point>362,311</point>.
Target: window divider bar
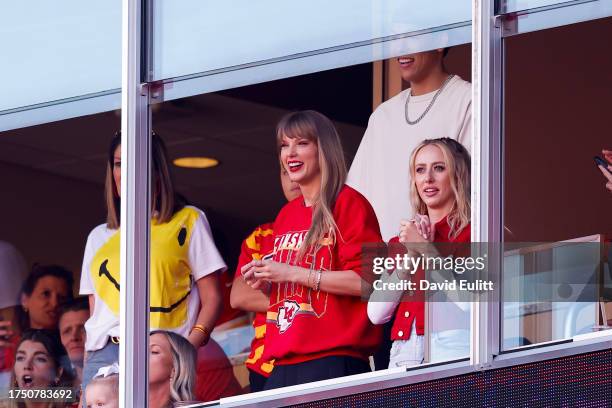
<point>135,212</point>
<point>486,174</point>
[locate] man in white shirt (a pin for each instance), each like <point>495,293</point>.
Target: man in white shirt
<point>437,104</point>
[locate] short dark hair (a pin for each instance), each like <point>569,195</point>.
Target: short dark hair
<point>75,305</point>
<point>38,272</point>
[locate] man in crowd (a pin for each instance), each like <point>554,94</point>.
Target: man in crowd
<point>437,104</point>
<point>72,320</point>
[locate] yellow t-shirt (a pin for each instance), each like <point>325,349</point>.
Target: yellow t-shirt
<point>182,252</point>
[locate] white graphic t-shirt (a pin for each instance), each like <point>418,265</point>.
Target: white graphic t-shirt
<point>182,252</point>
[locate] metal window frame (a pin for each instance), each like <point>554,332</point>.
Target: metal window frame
<point>135,207</point>
<point>314,61</point>
<point>488,32</point>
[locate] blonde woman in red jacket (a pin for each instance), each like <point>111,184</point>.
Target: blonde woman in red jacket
<point>440,196</point>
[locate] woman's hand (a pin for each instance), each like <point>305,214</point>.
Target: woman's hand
<point>608,175</point>
<point>248,274</point>
<point>416,235</point>
<point>607,172</point>
<point>418,230</point>
<point>267,271</point>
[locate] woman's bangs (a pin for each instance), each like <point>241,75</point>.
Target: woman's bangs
<point>296,128</point>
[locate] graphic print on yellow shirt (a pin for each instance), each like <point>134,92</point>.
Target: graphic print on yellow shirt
<point>170,276</point>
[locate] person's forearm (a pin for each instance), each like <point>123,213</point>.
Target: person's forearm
<point>209,313</point>
<point>245,298</point>
<point>382,303</point>
<point>211,304</point>
<point>335,282</point>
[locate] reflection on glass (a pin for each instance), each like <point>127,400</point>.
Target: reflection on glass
<point>198,36</point>
<point>41,328</point>
<point>49,203</point>
<point>243,196</point>
<point>450,331</point>
<point>509,6</point>
<point>185,293</point>
<point>554,291</point>
<point>58,50</point>
<point>13,272</point>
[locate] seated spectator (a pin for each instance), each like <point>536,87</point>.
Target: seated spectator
<point>40,362</point>
<point>171,369</point>
<point>72,318</point>
<point>44,291</point>
<point>103,390</point>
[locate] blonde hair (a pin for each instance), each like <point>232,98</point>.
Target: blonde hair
<point>314,126</point>
<point>165,200</point>
<point>111,381</point>
<point>184,363</point>
<point>458,163</point>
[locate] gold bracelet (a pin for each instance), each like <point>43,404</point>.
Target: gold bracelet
<point>201,328</point>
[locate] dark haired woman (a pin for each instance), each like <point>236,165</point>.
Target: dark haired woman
<point>46,288</point>
<point>317,326</point>
<point>40,363</point>
<point>185,295</point>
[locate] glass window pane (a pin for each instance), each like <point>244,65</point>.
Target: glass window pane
<point>556,276</point>
<point>450,332</point>
<point>510,6</point>
<point>53,198</point>
<point>200,36</point>
<point>242,195</point>
<point>52,51</point>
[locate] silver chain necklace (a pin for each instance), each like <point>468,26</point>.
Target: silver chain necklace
<point>433,100</point>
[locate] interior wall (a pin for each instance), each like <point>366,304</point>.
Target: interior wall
<point>48,217</point>
<point>557,117</point>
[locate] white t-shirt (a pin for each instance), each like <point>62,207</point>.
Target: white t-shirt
<point>182,252</point>
<point>13,271</point>
<point>380,170</point>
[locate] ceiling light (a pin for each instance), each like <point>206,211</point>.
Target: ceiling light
<point>196,162</point>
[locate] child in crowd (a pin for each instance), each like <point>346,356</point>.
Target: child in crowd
<point>103,390</point>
